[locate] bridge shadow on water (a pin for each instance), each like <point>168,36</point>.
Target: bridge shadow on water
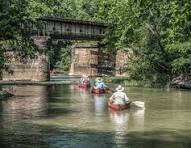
<point>62,116</point>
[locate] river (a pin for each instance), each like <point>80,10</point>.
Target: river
<point>66,116</point>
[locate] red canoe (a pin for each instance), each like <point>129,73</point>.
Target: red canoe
<point>99,91</point>
<point>117,106</point>
<point>84,85</point>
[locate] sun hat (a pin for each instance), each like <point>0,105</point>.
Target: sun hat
<point>119,88</point>
<point>98,79</point>
<point>85,76</point>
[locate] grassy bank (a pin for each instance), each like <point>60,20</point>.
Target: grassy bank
<point>125,81</point>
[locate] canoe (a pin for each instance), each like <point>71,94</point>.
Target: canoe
<point>118,106</point>
<point>84,85</point>
<point>99,91</point>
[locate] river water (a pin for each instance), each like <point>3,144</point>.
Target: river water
<point>65,116</point>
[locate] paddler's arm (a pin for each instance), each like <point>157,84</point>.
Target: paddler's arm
<point>111,98</point>
<point>126,99</point>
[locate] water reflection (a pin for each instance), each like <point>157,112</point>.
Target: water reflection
<point>100,102</point>
<point>29,101</point>
<point>119,120</point>
<point>122,121</point>
<point>132,118</point>
<point>84,93</point>
<point>80,99</point>
<point>137,117</point>
<point>78,118</point>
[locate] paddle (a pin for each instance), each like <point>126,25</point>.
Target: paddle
<point>138,104</point>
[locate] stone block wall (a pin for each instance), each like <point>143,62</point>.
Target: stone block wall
<point>89,60</point>
<point>121,60</point>
<point>84,60</point>
<point>36,69</point>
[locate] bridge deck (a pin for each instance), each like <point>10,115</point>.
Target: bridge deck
<point>60,28</point>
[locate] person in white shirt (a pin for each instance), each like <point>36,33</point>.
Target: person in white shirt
<point>84,79</point>
<point>119,97</point>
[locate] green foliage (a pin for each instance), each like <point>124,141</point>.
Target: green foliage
<point>13,36</point>
<point>182,58</point>
<point>157,32</point>
<point>11,15</point>
<point>150,28</point>
<point>59,54</point>
<point>65,59</point>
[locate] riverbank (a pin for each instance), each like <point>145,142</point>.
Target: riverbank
<point>183,81</point>
<point>125,81</point>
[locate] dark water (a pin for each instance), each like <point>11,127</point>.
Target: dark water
<point>65,116</point>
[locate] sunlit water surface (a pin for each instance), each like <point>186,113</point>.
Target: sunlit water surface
<point>65,116</point>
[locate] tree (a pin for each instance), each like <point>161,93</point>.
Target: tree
<point>16,17</point>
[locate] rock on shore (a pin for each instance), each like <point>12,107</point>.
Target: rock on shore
<point>5,94</point>
<point>182,82</point>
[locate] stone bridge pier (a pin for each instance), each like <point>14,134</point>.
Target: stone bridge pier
<point>84,60</point>
<point>27,69</point>
<point>88,59</point>
<point>36,69</point>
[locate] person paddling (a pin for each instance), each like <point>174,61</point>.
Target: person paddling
<point>99,84</point>
<point>119,97</point>
<point>84,79</point>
